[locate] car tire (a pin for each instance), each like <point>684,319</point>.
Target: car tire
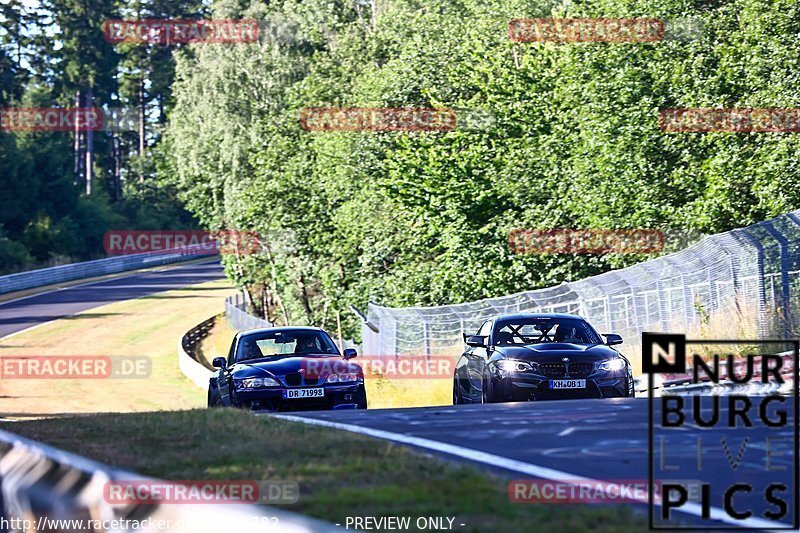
<point>213,400</point>
<point>486,393</point>
<point>457,400</point>
<point>361,398</point>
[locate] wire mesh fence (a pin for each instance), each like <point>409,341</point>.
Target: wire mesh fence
<point>747,280</point>
<point>240,319</point>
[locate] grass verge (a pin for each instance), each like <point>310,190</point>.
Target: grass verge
<point>145,327</point>
<point>340,474</point>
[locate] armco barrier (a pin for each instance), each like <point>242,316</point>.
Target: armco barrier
<point>90,269</point>
<point>42,488</point>
<point>194,370</point>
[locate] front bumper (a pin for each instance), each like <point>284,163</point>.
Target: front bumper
<point>521,387</point>
<point>271,399</point>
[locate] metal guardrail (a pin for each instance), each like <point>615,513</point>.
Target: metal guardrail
<point>195,371</point>
<point>46,489</point>
<point>89,269</point>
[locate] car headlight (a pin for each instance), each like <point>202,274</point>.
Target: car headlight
<point>256,383</point>
<point>612,365</point>
<point>511,365</point>
<point>348,377</point>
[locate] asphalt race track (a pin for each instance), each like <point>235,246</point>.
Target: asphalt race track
<point>18,315</point>
<point>597,439</point>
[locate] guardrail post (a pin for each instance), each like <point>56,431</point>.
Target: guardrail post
<point>762,297</point>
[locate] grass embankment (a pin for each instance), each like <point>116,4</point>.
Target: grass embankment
<point>145,327</point>
<point>340,474</point>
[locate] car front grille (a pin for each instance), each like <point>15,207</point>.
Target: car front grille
<point>578,370</point>
<point>553,369</point>
<point>295,379</point>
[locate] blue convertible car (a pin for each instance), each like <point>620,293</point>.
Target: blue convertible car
<point>287,369</point>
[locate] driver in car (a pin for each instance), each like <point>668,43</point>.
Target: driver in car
<point>306,344</point>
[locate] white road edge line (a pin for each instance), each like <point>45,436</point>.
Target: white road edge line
<point>513,465</point>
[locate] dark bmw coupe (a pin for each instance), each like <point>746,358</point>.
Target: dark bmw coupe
<point>540,357</point>
<point>287,369</point>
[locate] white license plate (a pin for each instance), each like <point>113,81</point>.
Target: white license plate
<point>318,392</point>
<point>567,383</point>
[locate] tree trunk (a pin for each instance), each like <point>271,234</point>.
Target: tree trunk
<point>339,331</point>
<point>141,127</point>
<point>77,175</point>
<point>301,284</point>
<point>274,282</point>
<point>115,150</point>
<point>89,145</point>
<point>264,312</point>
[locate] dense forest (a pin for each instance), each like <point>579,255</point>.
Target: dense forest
<point>551,135</point>
<point>60,191</point>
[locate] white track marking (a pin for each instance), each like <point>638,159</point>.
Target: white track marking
<point>566,432</point>
<point>529,469</point>
<point>20,332</point>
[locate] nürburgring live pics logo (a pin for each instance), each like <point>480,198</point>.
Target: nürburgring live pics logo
<point>734,427</point>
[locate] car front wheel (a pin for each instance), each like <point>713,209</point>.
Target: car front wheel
<point>361,398</point>
<point>456,393</point>
<point>486,393</point>
<point>213,399</point>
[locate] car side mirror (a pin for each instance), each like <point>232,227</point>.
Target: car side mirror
<point>612,339</point>
<point>476,341</point>
<point>219,362</point>
<point>349,353</point>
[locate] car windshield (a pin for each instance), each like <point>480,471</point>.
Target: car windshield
<point>547,329</point>
<point>285,344</point>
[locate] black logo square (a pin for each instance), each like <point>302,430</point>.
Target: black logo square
<point>663,353</point>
